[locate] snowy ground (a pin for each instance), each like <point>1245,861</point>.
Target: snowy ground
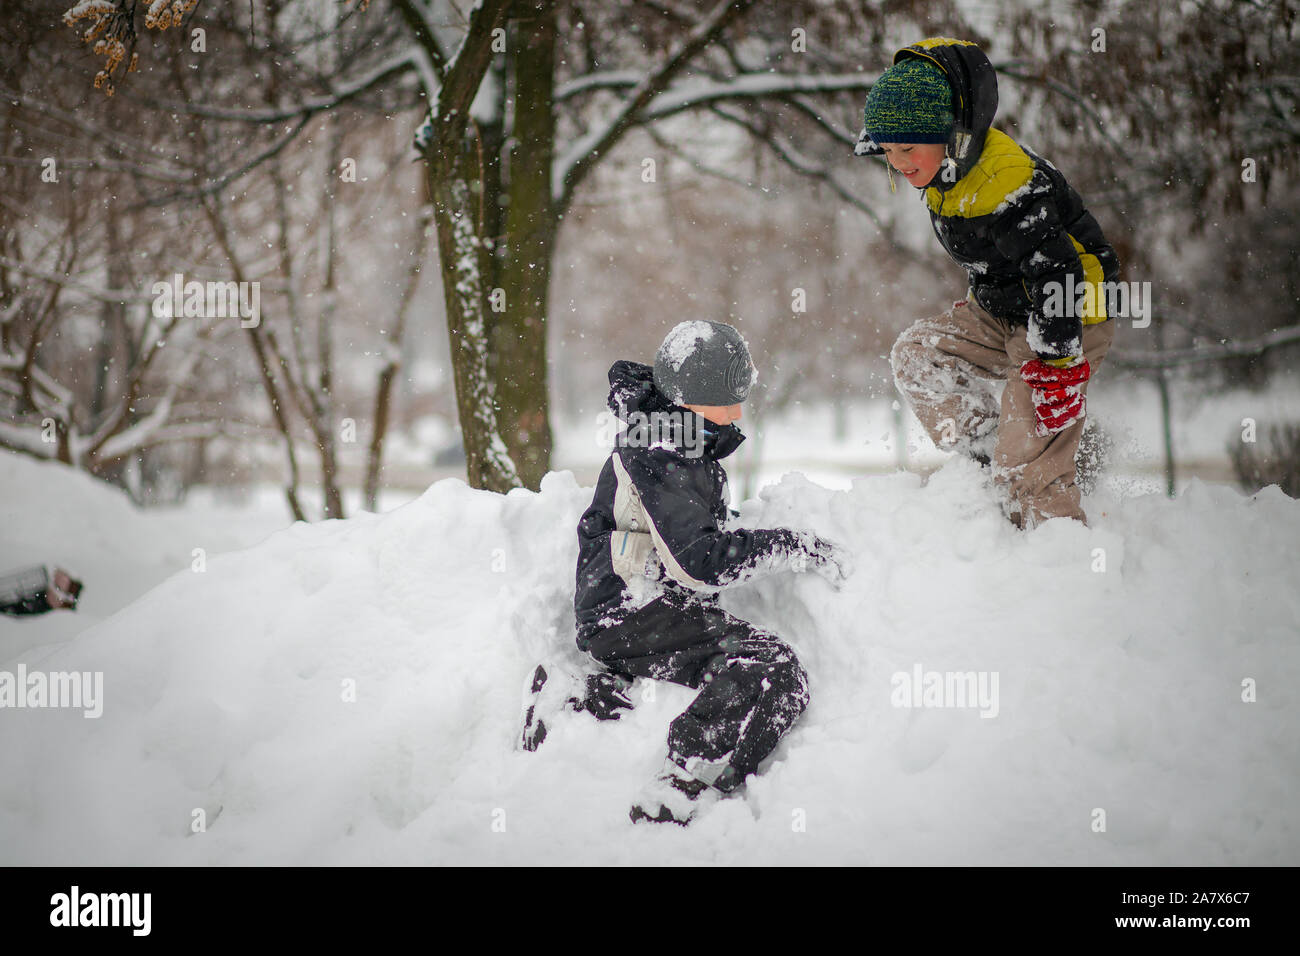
<point>348,692</point>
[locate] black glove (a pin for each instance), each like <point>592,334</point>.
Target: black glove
<point>605,696</point>
<point>831,561</point>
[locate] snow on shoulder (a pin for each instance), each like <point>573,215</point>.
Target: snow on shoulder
<point>349,692</point>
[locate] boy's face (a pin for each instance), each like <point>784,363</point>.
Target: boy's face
<point>718,414</point>
<point>918,162</point>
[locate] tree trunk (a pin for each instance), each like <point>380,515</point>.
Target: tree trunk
<point>112,330</point>
<point>454,165</point>
<point>324,411</point>
<point>523,264</point>
<point>454,185</point>
<point>393,364</point>
<point>1166,415</point>
<point>264,367</point>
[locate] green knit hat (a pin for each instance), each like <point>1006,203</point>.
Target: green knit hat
<point>910,103</point>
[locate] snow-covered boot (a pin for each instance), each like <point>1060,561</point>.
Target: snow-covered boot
<point>604,695</point>
<point>534,721</point>
<point>674,797</point>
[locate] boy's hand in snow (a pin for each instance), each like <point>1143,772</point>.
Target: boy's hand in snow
<point>606,695</point>
<point>831,561</point>
<point>1057,393</point>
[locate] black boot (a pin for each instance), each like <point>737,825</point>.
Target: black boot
<point>674,797</point>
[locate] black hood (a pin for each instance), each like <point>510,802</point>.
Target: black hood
<point>632,395</point>
<point>974,101</point>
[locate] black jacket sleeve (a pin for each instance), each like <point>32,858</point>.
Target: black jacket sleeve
<point>677,496</point>
<point>1031,234</point>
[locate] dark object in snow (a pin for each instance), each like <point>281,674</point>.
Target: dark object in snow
<point>1273,461</point>
<point>606,695</point>
<point>534,727</point>
<point>673,798</point>
<point>38,589</point>
<point>602,694</point>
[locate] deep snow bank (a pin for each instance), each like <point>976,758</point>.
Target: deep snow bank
<point>53,514</point>
<point>350,691</point>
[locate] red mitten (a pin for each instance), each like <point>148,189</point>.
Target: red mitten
<point>1057,393</point>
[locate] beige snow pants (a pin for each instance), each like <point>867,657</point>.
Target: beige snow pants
<point>947,366</point>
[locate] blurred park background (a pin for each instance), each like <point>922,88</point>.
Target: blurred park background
<point>638,163</point>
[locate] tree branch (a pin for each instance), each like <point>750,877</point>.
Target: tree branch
<point>417,19</point>
<point>574,166</point>
<point>397,64</point>
<point>1207,353</point>
<point>675,100</point>
<point>800,163</point>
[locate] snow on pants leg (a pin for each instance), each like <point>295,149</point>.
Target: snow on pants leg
<point>752,687</point>
<point>945,365</point>
<point>1039,473</point>
<point>948,366</point>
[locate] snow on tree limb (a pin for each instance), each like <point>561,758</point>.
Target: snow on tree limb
<point>116,424</point>
<point>60,397</point>
<point>788,154</point>
<point>110,28</point>
<point>101,295</point>
<point>692,95</point>
<point>699,91</point>
<point>418,18</point>
<point>464,71</point>
<point>395,65</point>
<point>121,441</point>
<point>1206,353</point>
<point>26,440</point>
<point>602,80</point>
<point>575,164</point>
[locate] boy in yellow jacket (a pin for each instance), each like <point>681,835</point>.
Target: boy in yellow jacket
<point>1035,314</point>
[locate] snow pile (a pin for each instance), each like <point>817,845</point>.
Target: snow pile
<point>349,692</point>
<point>52,514</point>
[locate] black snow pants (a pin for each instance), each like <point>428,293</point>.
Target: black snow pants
<point>752,687</point>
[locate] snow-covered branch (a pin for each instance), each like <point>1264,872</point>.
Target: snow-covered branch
<point>692,95</point>
<point>1207,353</point>
<point>216,184</point>
<point>142,432</point>
<point>575,163</point>
<point>419,19</point>
<point>605,80</point>
<point>25,439</point>
<point>800,163</point>
<point>101,295</point>
<point>404,61</point>
<point>464,71</point>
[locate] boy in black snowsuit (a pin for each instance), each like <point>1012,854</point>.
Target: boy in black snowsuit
<point>652,557</point>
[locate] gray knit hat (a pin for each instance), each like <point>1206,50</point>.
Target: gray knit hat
<point>704,363</point>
